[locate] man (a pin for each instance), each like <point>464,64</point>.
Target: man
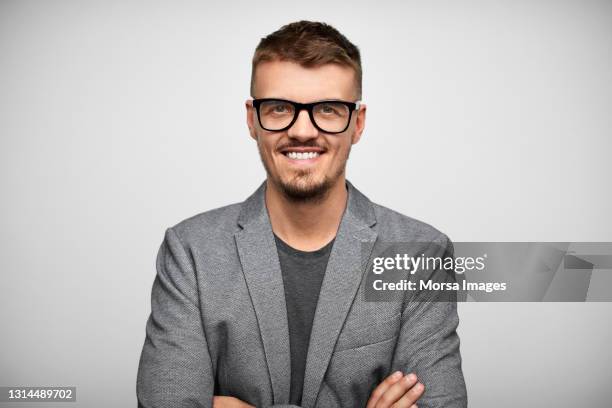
<point>255,304</point>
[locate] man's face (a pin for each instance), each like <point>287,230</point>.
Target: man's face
<point>304,179</point>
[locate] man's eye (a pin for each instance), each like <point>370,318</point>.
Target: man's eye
<point>328,109</point>
<point>281,109</point>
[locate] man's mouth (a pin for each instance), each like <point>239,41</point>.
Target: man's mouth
<point>302,156</point>
<point>305,154</point>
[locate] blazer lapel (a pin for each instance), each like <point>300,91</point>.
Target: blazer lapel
<point>261,268</point>
<point>354,242</point>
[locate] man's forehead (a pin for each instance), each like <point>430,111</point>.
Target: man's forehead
<point>289,80</point>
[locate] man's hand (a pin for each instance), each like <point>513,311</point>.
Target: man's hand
<point>229,402</point>
<point>398,391</point>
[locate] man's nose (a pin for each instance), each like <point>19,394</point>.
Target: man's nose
<point>303,128</point>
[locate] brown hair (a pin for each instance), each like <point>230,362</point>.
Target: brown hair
<point>310,44</point>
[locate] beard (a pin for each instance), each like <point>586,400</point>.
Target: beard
<point>303,187</point>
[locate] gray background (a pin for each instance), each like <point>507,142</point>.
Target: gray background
<point>119,119</point>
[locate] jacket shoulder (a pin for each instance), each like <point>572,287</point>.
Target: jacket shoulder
<point>393,226</point>
<point>208,225</point>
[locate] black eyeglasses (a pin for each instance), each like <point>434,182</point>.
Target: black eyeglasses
<point>331,116</point>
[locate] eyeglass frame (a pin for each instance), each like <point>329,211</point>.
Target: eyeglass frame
<point>353,106</point>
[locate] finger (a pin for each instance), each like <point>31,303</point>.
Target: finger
<point>397,391</point>
<point>382,387</point>
<point>410,397</point>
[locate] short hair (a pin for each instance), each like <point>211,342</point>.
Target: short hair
<point>310,44</point>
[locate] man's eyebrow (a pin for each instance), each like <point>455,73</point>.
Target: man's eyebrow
<point>315,100</point>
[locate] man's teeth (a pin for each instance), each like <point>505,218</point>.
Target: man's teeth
<point>302,156</point>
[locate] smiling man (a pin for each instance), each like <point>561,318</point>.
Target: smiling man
<point>256,303</point>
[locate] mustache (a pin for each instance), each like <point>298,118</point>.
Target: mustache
<point>292,144</point>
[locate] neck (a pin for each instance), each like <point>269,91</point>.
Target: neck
<point>306,226</point>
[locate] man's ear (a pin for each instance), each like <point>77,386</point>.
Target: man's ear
<point>250,115</point>
<point>359,124</point>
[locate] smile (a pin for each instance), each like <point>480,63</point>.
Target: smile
<point>302,155</point>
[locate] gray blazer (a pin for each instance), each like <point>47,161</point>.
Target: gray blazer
<point>218,322</point>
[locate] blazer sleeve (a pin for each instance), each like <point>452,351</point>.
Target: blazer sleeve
<point>175,368</point>
<point>428,344</point>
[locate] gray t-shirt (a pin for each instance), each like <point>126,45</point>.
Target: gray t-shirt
<point>303,274</point>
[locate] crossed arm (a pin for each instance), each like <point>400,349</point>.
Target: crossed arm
<point>397,391</point>
<point>176,371</point>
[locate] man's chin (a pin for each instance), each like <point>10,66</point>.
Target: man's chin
<point>305,190</point>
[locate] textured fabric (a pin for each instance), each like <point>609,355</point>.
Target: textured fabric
<point>218,322</point>
<point>302,277</point>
